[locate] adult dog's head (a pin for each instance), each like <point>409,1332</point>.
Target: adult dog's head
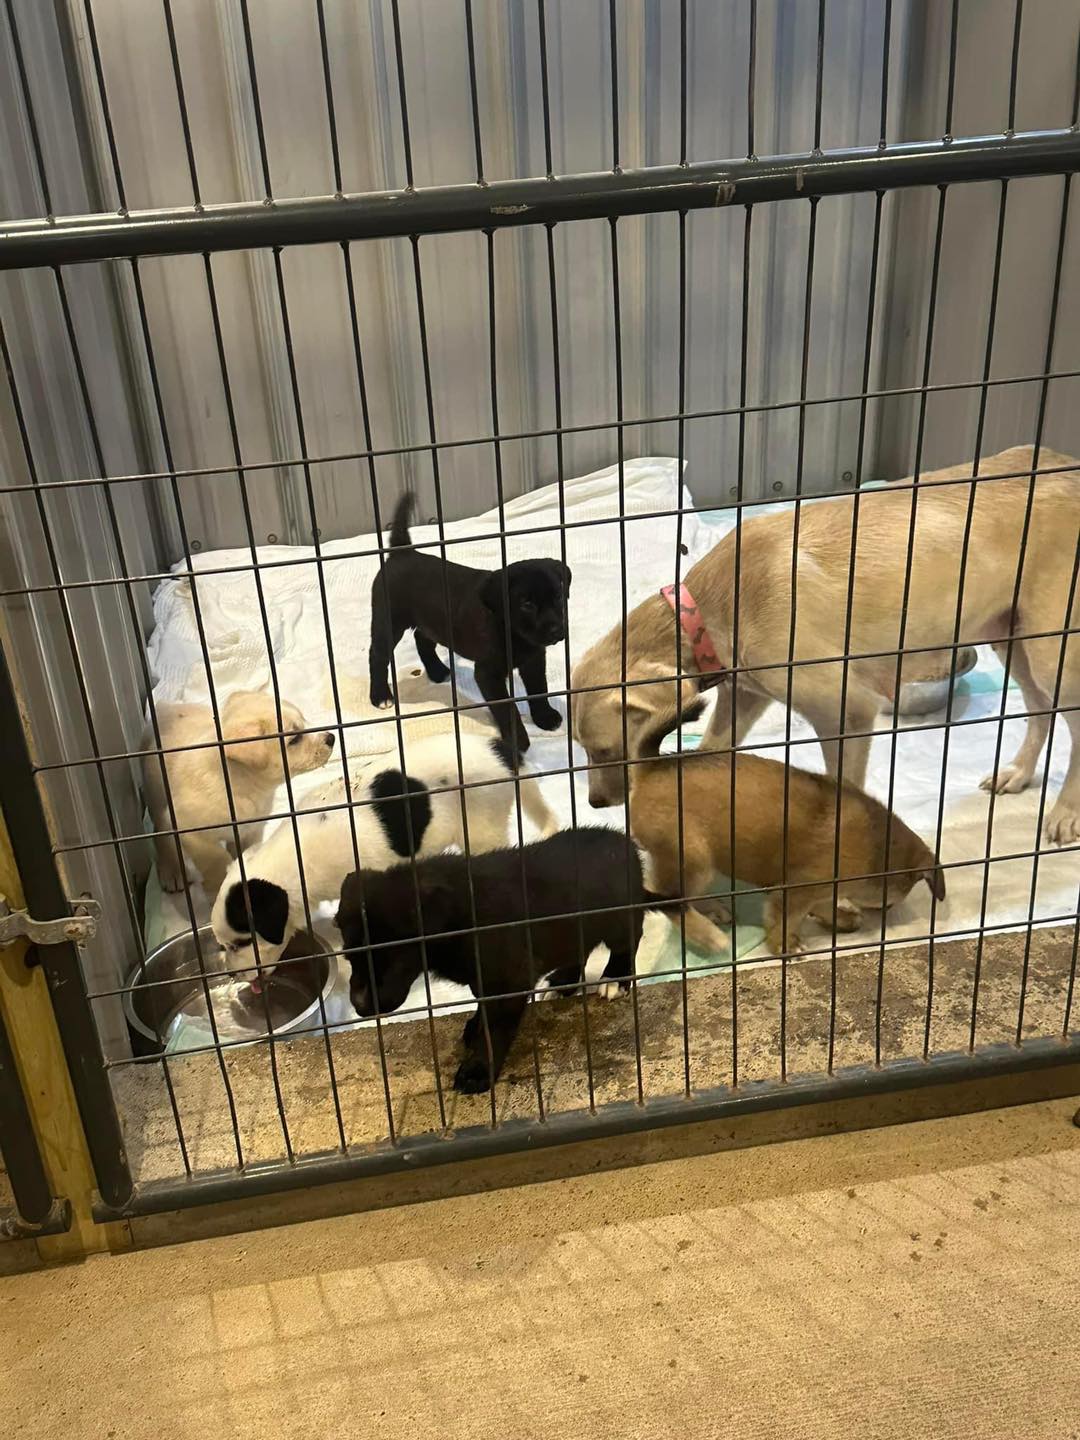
<point>536,592</point>
<point>611,729</point>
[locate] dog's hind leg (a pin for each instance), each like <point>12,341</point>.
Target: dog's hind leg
<point>1016,775</point>
<point>385,635</point>
<point>425,648</point>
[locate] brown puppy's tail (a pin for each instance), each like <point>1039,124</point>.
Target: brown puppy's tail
<point>399,525</point>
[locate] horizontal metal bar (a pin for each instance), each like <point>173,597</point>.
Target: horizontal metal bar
<point>198,229</point>
<point>615,1118</point>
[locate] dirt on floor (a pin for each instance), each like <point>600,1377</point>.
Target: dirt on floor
<point>665,1041</point>
<point>913,1281</point>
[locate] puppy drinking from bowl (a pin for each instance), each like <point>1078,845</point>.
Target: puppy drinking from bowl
<point>251,754</point>
<point>395,816</point>
<point>503,620</point>
<point>872,840</point>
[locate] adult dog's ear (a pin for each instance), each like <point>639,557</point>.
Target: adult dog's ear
<point>269,909</point>
<point>567,575</point>
<point>935,879</point>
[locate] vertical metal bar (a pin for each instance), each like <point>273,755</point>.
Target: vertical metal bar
<point>950,95</point>
<point>678,652</point>
<point>995,285</point>
<point>501,501</point>
<point>560,469</point>
<point>545,92</point>
<point>474,93</point>
<point>331,116</point>
<point>331,109</point>
<point>849,608</point>
<point>931,315</point>
<point>18,1144</point>
<point>751,83</point>
<point>256,103</point>
<point>45,898</point>
<point>613,43</point>
<point>683,84</point>
<point>740,484</point>
<point>800,458</point>
<point>886,43</point>
<point>1014,66</point>
<point>29,110</point>
<point>819,79</point>
<point>616,305</point>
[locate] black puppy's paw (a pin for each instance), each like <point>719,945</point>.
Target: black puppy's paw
<point>545,715</point>
<point>382,697</point>
<point>473,1076</point>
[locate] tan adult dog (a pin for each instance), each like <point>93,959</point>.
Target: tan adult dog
<point>252,753</point>
<point>998,509</point>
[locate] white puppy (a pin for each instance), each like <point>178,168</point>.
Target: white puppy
<point>252,754</point>
<point>393,820</point>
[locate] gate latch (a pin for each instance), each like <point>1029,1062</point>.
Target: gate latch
<point>76,928</point>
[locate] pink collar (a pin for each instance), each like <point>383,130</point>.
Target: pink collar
<point>690,618</point>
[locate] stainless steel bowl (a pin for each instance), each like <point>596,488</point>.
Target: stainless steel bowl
<point>923,697</point>
<point>166,997</point>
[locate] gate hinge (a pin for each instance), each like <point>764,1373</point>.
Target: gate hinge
<point>77,927</point>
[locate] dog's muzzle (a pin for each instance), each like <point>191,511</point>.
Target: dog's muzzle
<point>329,737</point>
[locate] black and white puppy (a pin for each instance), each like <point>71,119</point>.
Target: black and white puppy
<point>591,868</point>
<point>501,619</point>
<point>395,816</point>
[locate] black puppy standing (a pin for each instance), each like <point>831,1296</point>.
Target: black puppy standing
<point>411,592</point>
<point>596,869</point>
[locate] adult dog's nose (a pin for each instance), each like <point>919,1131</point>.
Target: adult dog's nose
<point>329,738</point>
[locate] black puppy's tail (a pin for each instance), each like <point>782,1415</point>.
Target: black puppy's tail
<point>399,525</point>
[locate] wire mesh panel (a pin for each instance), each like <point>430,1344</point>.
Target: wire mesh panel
<point>403,528</point>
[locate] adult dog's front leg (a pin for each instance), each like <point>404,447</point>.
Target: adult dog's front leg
<point>492,684</point>
<point>533,672</point>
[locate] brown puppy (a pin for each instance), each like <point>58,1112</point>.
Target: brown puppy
<point>866,829</point>
<point>999,509</point>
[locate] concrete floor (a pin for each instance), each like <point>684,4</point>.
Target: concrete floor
<point>918,1280</point>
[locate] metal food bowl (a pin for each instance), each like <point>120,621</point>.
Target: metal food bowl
<point>924,696</point>
<point>166,1007</point>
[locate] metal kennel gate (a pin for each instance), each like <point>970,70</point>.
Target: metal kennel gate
<point>74,618</point>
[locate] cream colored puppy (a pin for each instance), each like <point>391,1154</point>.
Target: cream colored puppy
<point>252,760</point>
<point>936,516</point>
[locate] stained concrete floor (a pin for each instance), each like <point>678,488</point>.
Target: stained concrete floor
<point>918,1280</point>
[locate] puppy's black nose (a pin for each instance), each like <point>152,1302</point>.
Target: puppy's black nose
<point>329,738</point>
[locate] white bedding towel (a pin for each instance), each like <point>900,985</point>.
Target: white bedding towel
<point>231,616</point>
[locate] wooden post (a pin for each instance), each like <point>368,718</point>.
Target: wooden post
<point>28,1015</point>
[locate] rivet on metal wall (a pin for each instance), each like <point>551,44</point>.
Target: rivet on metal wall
<point>847,477</point>
<point>778,485</point>
<point>271,539</point>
